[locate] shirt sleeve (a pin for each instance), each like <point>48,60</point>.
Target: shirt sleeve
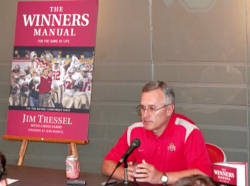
<point>196,153</point>
<point>118,149</point>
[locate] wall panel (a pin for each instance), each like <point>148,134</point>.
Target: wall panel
<point>212,32</point>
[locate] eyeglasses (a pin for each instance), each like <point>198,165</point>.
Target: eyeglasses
<point>150,108</point>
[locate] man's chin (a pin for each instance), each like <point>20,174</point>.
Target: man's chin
<point>147,126</point>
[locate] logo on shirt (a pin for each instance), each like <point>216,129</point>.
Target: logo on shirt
<point>171,147</point>
<point>140,150</point>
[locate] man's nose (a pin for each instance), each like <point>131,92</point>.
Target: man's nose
<point>146,113</point>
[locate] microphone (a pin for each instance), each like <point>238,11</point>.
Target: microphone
<point>135,144</point>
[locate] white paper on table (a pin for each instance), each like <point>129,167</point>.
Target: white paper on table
<point>10,181</point>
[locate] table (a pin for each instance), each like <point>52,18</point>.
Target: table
<point>36,176</point>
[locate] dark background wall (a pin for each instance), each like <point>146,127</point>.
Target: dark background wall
<point>201,48</point>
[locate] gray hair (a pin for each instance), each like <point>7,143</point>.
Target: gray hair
<point>168,91</point>
<point>195,180</point>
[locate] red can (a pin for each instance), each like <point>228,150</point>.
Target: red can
<point>72,167</point>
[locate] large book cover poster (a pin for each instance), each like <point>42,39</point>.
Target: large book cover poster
<point>52,66</point>
<point>230,174</point>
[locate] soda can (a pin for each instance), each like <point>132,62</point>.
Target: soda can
<point>72,167</point>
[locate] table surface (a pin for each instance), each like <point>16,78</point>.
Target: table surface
<point>36,176</point>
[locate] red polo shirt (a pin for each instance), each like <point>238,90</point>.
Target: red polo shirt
<point>180,147</point>
<point>45,85</point>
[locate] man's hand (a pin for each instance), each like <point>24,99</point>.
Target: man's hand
<point>145,172</point>
<point>131,171</point>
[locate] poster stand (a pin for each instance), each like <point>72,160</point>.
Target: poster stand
<point>71,145</point>
<point>22,152</point>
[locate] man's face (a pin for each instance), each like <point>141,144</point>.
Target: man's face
<point>45,72</point>
<point>155,119</point>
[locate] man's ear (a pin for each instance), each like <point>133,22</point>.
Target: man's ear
<point>170,109</point>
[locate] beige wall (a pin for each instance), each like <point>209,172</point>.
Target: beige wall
<point>199,47</point>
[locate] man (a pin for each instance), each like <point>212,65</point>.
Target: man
<point>24,88</point>
<point>3,181</point>
<point>196,180</point>
<point>34,93</point>
<point>80,96</point>
<point>172,146</point>
<point>58,72</point>
<point>68,99</point>
<point>45,88</point>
